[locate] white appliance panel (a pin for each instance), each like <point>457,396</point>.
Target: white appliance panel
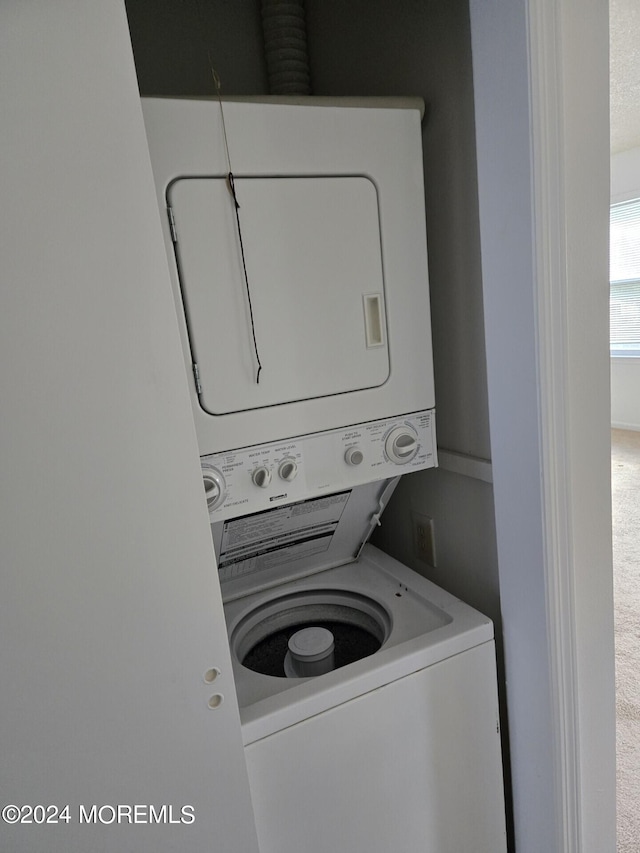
<point>257,478</point>
<point>329,358</point>
<point>398,750</point>
<point>314,270</point>
<point>412,766</point>
<point>423,625</point>
<point>266,549</point>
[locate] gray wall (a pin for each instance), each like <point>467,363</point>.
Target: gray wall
<point>174,41</point>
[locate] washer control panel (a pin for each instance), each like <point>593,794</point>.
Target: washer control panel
<point>251,479</point>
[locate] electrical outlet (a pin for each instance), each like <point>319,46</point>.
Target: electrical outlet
<point>424,544</point>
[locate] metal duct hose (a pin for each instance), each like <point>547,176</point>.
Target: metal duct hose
<point>285,47</point>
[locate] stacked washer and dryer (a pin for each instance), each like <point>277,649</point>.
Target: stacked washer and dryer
<point>296,240</point>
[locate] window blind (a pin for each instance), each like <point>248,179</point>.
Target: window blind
<point>624,275</point>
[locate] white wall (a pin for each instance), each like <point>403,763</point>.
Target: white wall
<point>110,611</point>
<point>506,224</point>
<point>625,393</point>
<point>582,49</point>
<point>541,84</point>
<point>625,175</point>
<point>625,371</point>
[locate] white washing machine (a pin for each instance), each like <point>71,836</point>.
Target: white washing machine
<point>296,241</point>
<point>395,745</point>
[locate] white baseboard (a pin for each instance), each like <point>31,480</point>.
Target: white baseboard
<point>630,427</point>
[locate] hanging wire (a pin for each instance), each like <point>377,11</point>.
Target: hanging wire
<point>232,189</point>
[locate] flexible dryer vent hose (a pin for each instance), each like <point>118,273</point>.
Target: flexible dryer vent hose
<point>285,47</point>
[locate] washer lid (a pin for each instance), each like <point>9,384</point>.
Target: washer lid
<point>262,550</point>
<point>315,296</point>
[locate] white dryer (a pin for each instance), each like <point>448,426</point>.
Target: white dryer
<point>296,240</point>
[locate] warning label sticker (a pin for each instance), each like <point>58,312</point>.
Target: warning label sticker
<point>280,535</point>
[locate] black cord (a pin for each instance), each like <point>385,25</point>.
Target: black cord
<point>232,190</point>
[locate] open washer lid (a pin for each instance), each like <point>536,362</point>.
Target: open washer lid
<point>264,549</point>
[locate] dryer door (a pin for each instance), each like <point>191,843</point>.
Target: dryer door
<point>313,294</point>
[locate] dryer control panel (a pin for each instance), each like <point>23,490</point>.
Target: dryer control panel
<point>251,479</point>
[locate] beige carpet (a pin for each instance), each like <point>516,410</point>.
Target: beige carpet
<point>625,464</point>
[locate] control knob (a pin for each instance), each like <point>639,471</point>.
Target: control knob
<point>353,455</point>
<point>288,469</point>
<point>215,488</point>
<point>401,444</point>
<point>261,477</point>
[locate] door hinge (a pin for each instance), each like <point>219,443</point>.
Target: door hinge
<point>196,376</point>
<point>172,224</point>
